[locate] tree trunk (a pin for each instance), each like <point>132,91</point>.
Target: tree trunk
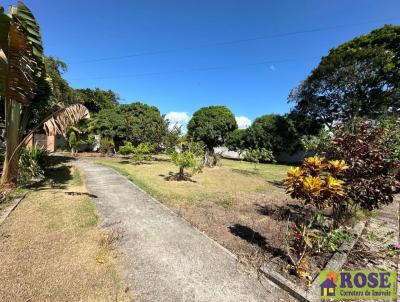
<point>13,118</point>
<point>181,173</point>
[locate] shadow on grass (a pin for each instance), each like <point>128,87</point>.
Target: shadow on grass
<point>161,159</point>
<point>54,160</point>
<point>276,183</point>
<point>57,174</point>
<point>292,212</point>
<point>128,162</point>
<point>245,172</point>
<point>175,177</point>
<point>80,194</point>
<point>124,162</point>
<point>253,237</point>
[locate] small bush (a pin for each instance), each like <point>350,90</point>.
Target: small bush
<point>315,235</point>
<point>142,153</point>
<point>258,155</point>
<point>370,181</point>
<point>126,149</point>
<point>317,145</point>
<point>107,145</point>
<point>317,182</point>
<point>391,139</point>
<point>32,163</point>
<point>186,159</point>
<point>73,142</point>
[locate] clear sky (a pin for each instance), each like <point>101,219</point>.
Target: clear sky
<point>182,55</point>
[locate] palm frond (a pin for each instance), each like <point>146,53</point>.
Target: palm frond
<point>64,118</point>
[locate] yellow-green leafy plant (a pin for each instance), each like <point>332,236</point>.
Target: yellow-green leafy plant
<point>186,157</point>
<point>142,153</point>
<point>317,182</point>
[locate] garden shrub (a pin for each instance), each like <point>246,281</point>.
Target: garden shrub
<point>358,170</point>
<point>258,155</point>
<point>370,180</point>
<point>107,145</point>
<point>73,142</point>
<point>315,235</point>
<point>391,139</point>
<point>126,149</point>
<point>32,163</point>
<point>185,159</point>
<point>317,144</point>
<point>317,182</point>
<point>142,153</point>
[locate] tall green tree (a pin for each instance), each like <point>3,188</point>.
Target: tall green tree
<point>272,132</point>
<point>61,91</point>
<point>212,126</point>
<point>97,99</point>
<point>52,90</point>
<point>236,141</point>
<point>144,123</point>
<point>360,78</point>
<point>136,123</point>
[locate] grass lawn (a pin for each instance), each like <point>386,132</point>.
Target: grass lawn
<point>223,185</point>
<point>52,250</point>
<point>238,206</point>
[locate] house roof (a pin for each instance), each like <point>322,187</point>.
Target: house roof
<point>328,283</point>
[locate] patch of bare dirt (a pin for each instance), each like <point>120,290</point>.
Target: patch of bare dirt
<point>253,228</point>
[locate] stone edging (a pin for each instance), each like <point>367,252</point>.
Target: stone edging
<point>335,263</point>
<point>7,211</point>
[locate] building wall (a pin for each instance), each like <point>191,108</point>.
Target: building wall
<point>42,140</point>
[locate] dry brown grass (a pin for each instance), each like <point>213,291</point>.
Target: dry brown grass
<point>52,250</point>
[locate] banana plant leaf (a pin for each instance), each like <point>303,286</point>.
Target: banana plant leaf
<point>64,118</point>
<point>21,67</point>
<point>31,28</point>
<point>4,29</point>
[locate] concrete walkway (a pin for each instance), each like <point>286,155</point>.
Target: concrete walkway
<point>163,257</point>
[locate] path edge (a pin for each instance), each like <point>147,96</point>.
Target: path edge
<point>8,210</point>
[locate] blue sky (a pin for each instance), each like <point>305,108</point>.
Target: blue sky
<point>183,55</point>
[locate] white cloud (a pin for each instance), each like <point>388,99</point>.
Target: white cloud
<point>243,122</point>
<point>177,118</point>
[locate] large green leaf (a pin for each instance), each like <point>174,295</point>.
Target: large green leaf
<point>22,67</point>
<point>31,28</point>
<point>21,54</point>
<point>4,29</point>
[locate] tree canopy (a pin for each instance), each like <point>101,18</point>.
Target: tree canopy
<point>212,125</point>
<point>236,140</point>
<point>273,132</point>
<point>136,123</point>
<point>144,123</point>
<point>360,78</point>
<point>97,99</point>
